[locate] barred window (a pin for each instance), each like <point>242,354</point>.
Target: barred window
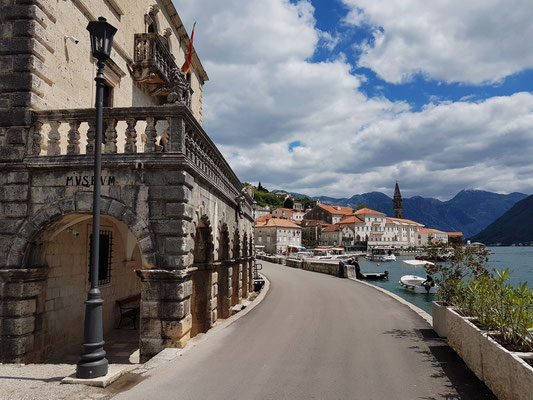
<point>106,255</point>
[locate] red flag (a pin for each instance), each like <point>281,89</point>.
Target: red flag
<point>187,64</point>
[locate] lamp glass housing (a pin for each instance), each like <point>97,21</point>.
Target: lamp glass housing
<point>101,38</point>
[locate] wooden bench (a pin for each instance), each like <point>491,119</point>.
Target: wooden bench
<point>129,309</point>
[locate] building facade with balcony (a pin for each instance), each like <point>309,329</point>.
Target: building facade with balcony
<point>176,226</point>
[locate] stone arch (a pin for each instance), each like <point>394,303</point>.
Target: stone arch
<point>63,248</point>
<point>81,203</point>
<point>202,277</point>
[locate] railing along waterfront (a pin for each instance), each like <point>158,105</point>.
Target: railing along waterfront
<point>155,131</point>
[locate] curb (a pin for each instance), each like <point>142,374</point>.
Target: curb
<point>428,318</point>
<point>169,354</point>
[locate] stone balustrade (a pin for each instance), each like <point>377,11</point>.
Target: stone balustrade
<point>135,132</point>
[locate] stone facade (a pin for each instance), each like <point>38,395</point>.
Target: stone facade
<point>180,227</point>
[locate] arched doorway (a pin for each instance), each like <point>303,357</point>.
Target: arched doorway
<point>64,248</point>
<point>223,284</point>
<point>201,279</point>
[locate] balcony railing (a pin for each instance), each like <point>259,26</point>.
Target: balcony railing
<point>157,131</point>
<point>152,63</point>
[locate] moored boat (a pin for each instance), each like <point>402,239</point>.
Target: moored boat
<point>417,284</point>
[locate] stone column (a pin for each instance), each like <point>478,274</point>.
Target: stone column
<point>22,293</point>
<point>166,287</point>
<point>165,311</point>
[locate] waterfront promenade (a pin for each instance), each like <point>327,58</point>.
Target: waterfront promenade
<point>315,336</point>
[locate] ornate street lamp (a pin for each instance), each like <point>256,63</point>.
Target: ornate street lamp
<point>93,362</point>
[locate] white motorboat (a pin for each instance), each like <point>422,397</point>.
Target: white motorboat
<point>415,283</point>
<point>381,253</point>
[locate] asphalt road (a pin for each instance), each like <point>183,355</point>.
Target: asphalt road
<point>317,337</point>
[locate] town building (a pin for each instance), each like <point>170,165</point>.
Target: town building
<point>429,236</point>
<point>292,214</point>
<point>340,234</point>
<point>311,232</point>
<point>261,211</point>
<point>328,214</point>
<point>176,226</point>
<point>276,234</point>
<point>455,237</point>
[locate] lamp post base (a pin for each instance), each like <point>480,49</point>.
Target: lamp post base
<point>93,363</point>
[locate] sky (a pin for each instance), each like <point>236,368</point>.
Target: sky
<point>343,97</point>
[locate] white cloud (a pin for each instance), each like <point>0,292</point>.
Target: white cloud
<point>474,41</point>
<point>264,93</point>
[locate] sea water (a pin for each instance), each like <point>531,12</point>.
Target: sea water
<point>519,260</point>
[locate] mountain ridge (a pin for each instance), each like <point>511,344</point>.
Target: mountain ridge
<point>513,227</point>
<point>469,211</point>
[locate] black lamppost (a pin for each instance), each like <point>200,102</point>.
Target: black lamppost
<point>93,362</point>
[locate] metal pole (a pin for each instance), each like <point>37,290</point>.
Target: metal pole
<point>93,362</point>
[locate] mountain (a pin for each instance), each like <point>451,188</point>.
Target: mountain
<point>469,211</point>
<point>513,227</point>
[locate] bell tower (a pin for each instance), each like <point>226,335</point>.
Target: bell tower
<point>397,202</point>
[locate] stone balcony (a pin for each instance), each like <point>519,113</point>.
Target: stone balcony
<point>153,63</point>
<point>134,137</point>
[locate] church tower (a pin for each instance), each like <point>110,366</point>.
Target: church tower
<point>397,202</point>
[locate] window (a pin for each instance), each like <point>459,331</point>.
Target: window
<point>105,258</point>
<point>108,95</point>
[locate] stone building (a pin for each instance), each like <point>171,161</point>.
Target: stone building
<point>276,234</point>
<point>428,236</point>
<point>176,225</point>
<point>328,214</point>
<point>289,213</point>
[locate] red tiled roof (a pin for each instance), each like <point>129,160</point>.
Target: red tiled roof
<point>363,211</point>
<point>277,222</point>
<point>405,221</point>
<point>455,233</point>
<point>352,219</point>
<point>428,230</point>
<point>336,210</point>
<point>265,217</point>
<point>331,228</point>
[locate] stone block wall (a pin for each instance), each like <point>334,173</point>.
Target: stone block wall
<point>41,68</point>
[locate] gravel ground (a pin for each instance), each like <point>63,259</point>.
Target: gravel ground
<point>43,381</point>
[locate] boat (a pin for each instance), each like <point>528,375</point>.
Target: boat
<point>415,283</point>
<point>381,253</point>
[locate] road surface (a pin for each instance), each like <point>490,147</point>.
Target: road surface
<point>316,336</point>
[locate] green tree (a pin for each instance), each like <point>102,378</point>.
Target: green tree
<point>288,203</point>
<point>361,206</point>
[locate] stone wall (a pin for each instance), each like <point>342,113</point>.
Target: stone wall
<point>314,266</point>
<point>161,208</point>
<point>41,68</point>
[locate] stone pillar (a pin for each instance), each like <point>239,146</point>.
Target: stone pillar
<point>166,289</point>
<point>224,290</point>
<point>245,277</point>
<point>22,294</point>
<point>165,311</point>
<point>213,298</point>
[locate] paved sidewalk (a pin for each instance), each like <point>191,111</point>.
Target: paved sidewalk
<point>43,381</point>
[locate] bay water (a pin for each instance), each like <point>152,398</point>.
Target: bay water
<point>519,260</point>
